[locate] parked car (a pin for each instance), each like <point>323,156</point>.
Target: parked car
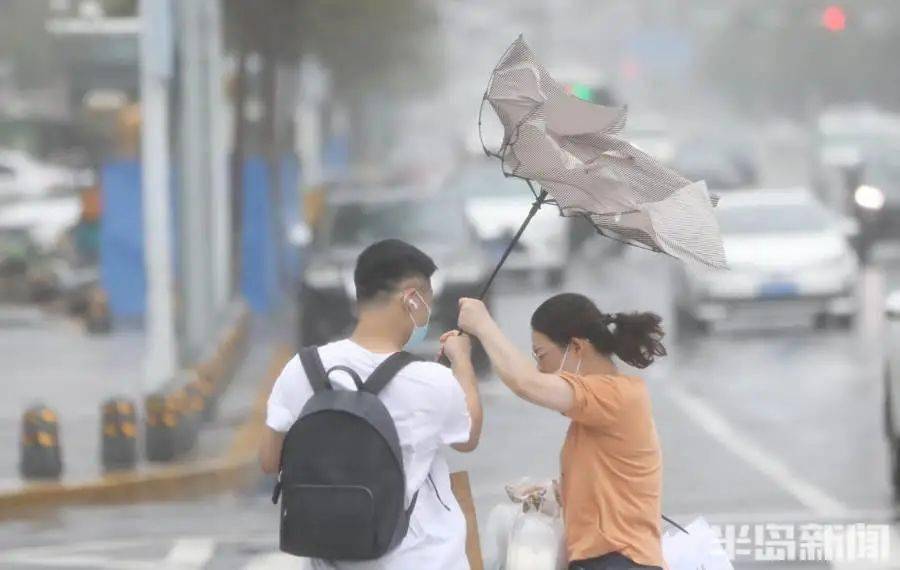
<point>787,256</point>
<point>33,255</point>
<point>354,219</point>
<point>497,205</point>
<point>23,177</point>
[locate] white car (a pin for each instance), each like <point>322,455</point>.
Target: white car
<point>21,176</point>
<point>892,385</point>
<point>843,133</point>
<point>788,257</point>
<point>650,133</point>
<point>497,206</point>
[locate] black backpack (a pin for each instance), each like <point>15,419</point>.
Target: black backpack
<point>341,480</point>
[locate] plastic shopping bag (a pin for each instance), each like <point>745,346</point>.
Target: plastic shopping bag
<point>536,543</point>
<point>526,533</point>
<point>699,550</point>
<point>496,534</point>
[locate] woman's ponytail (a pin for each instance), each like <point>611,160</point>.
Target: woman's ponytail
<point>636,338</point>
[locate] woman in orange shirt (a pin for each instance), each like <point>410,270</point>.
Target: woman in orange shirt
<point>611,464</point>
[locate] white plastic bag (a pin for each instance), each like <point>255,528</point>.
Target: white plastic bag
<point>527,533</point>
<point>699,550</point>
<point>496,534</point>
<point>536,542</point>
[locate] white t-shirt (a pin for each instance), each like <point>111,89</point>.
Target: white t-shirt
<point>428,407</point>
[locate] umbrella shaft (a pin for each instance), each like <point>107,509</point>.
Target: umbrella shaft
<point>534,208</point>
<point>442,358</point>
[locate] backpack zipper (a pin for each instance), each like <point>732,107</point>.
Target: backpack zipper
<point>276,492</point>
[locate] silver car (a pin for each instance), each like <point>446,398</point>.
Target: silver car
<point>788,256</point>
<point>892,386</point>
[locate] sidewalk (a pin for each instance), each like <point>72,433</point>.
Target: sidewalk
<point>50,359</point>
<point>46,361</point>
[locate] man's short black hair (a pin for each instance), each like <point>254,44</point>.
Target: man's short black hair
<point>384,264</point>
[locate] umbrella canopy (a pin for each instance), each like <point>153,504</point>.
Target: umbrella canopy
<point>571,149</point>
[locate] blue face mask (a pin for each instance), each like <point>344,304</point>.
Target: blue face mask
<point>419,332</point>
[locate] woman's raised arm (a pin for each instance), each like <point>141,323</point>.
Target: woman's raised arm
<point>516,369</point>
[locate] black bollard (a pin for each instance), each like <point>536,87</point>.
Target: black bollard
<point>118,435</point>
<point>203,386</point>
<point>97,317</point>
<point>189,418</point>
<point>41,455</point>
<point>161,424</point>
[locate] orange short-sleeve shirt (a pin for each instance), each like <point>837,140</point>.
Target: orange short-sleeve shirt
<point>611,480</point>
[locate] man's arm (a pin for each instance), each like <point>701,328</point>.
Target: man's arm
<point>270,451</point>
<point>458,349</point>
<point>464,372</point>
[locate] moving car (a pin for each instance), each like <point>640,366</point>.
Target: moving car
<point>650,133</point>
<point>355,218</point>
<point>843,133</point>
<point>892,386</point>
<point>844,137</point>
<point>724,163</point>
<point>497,205</point>
<point>876,197</point>
<point>788,256</point>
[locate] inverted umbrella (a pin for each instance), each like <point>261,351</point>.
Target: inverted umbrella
<point>569,147</point>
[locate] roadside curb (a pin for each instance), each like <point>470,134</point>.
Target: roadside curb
<point>234,467</point>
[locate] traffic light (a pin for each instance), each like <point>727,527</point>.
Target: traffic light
<point>834,19</point>
<point>580,90</point>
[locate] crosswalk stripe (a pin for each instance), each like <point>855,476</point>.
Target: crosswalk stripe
<point>190,553</point>
<point>278,561</point>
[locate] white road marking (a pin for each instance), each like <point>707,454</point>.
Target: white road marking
<point>63,560</point>
<point>278,561</point>
<point>714,423</point>
<point>190,553</point>
<point>89,553</point>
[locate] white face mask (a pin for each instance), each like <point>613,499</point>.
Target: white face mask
<point>562,364</point>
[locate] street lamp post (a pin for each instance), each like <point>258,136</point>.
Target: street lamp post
<point>156,72</point>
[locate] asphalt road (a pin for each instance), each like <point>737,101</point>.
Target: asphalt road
<point>758,427</point>
<point>765,432</point>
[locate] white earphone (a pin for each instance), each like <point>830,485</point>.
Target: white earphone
<point>413,304</point>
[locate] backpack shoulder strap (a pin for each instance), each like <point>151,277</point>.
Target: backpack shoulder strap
<point>315,371</point>
<point>386,371</point>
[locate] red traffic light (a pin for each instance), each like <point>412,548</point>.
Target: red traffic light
<point>834,19</point>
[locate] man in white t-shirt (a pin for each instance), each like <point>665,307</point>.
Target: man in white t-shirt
<point>432,406</point>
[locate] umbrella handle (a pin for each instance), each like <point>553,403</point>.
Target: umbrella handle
<point>541,198</point>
